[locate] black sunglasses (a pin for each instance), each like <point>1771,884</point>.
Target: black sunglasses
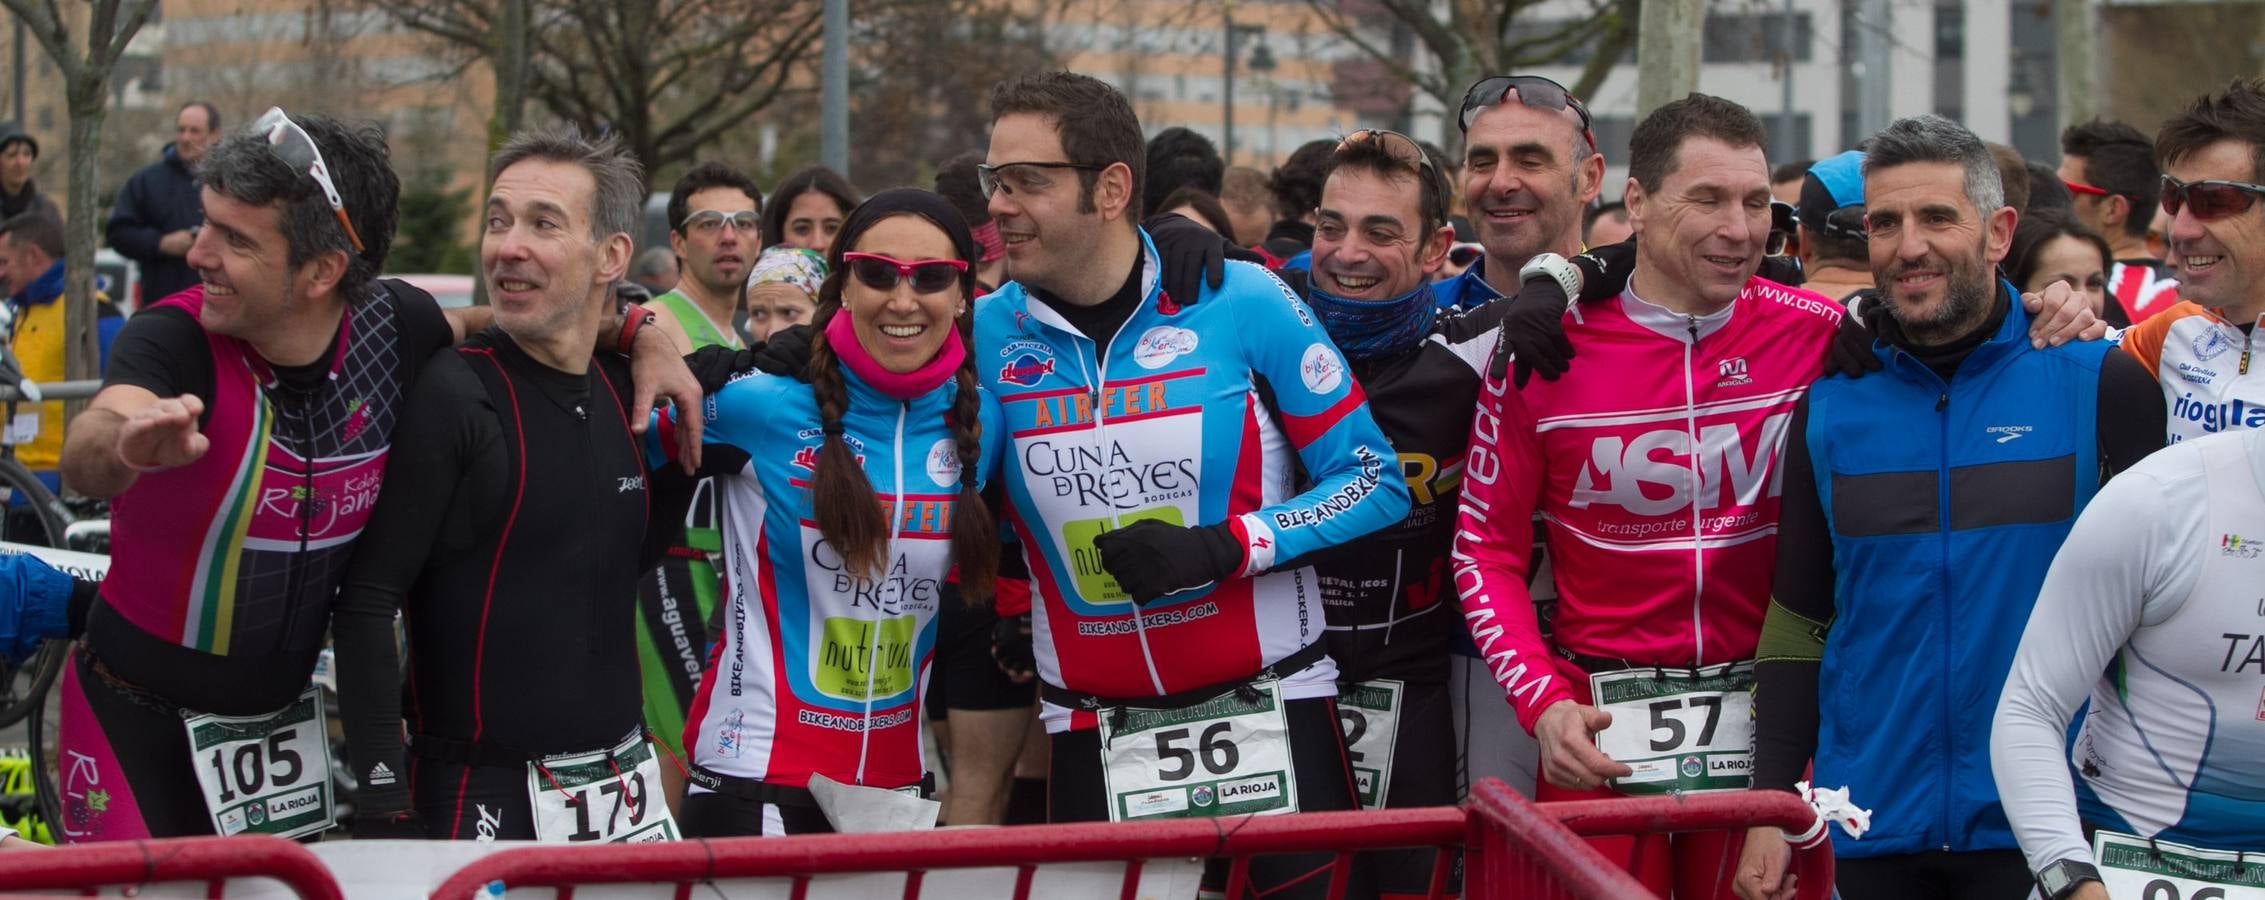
<point>881,273</point>
<point>1534,91</point>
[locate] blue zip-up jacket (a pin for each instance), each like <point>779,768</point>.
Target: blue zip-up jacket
<point>1168,423</point>
<point>1946,504</point>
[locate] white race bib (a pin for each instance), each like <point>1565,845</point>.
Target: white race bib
<point>2168,871</point>
<point>603,797</point>
<point>1369,712</point>
<point>265,774</point>
<point>1223,757</point>
<point>1680,730</point>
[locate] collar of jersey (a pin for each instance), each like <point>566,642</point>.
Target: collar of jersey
<point>1668,323</point>
<point>1151,275</point>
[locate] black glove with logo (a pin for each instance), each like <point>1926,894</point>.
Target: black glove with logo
<point>1010,645</point>
<point>402,825</point>
<point>1150,558</point>
<point>1850,352</point>
<point>1193,256</point>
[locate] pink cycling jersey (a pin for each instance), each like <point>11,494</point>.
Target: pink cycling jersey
<point>1662,556</point>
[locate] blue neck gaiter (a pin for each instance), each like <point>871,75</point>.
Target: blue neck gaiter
<point>1368,329</point>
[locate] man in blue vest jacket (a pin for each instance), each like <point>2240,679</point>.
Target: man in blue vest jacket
<point>1922,506</point>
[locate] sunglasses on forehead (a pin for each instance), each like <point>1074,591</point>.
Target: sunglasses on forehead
<point>2209,200</point>
<point>297,149</point>
<point>1534,91</point>
<point>882,273</point>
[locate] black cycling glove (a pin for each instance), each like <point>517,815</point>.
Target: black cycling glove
<point>1785,270</point>
<point>1010,645</point>
<point>1193,256</point>
<point>1534,330</point>
<point>787,352</point>
<point>1850,352</point>
<point>1150,558</point>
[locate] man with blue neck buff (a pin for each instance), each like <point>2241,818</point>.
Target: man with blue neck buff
<point>1380,235</point>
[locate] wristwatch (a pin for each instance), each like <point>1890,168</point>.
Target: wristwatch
<point>1555,268</point>
<point>2060,880</point>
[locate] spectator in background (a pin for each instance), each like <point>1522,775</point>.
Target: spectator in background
<point>2050,245</point>
<point>2118,192</point>
<point>807,208</point>
<point>782,290</point>
<point>158,212</point>
<point>957,182</point>
<point>655,269</point>
<point>1249,200</point>
<point>1606,224</point>
<point>18,195</point>
<point>33,245</point>
<point>1297,190</point>
<point>1785,181</point>
<point>1835,254</point>
<point>2045,189</point>
<point>1199,207</point>
<point>1180,158</point>
<point>2013,175</point>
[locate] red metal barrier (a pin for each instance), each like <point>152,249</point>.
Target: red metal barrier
<point>210,860</point>
<point>1515,849</point>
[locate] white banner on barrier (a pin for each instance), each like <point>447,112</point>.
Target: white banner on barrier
<point>83,566</point>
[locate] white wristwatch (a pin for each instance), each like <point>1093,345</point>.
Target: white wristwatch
<point>1555,268</point>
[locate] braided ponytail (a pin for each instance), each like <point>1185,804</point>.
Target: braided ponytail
<point>975,537</point>
<point>847,509</point>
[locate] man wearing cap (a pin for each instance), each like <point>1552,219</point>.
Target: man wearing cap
<point>1832,227</point>
<point>18,195</point>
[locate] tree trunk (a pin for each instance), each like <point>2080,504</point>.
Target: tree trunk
<point>82,356</point>
<point>508,63</point>
<point>1667,52</point>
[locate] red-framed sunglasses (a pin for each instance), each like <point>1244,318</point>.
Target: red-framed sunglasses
<point>2078,187</point>
<point>882,273</point>
<point>2210,200</point>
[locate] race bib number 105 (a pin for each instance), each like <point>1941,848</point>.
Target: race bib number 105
<point>1226,756</point>
<point>2129,867</point>
<point>1680,730</point>
<point>265,774</point>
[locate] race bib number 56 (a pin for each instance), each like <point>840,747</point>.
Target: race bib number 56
<point>1680,730</point>
<point>265,774</point>
<point>1226,756</point>
<point>2129,867</point>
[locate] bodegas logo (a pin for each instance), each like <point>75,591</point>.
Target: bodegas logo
<point>2238,547</point>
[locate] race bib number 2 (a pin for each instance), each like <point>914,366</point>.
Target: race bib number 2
<point>604,797</point>
<point>2129,867</point>
<point>1680,730</point>
<point>1369,712</point>
<point>265,774</point>
<point>1227,756</point>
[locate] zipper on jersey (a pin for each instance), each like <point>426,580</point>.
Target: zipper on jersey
<point>1942,593</point>
<point>1097,385</point>
<point>1698,484</point>
<point>888,560</point>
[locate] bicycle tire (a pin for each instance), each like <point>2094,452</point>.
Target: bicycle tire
<point>51,660</point>
<point>43,673</point>
<point>49,510</point>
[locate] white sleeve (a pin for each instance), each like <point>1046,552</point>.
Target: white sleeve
<point>6,833</point>
<point>2128,561</point>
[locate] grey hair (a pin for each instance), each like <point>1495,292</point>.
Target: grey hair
<point>243,168</point>
<point>620,180</point>
<point>1932,138</point>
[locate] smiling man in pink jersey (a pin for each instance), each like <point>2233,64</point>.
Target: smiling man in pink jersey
<point>1653,465</point>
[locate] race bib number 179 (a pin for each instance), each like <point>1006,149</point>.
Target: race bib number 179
<point>600,797</point>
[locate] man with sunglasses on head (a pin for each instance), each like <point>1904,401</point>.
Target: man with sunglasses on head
<point>1530,167</point>
<point>243,432</point>
<point>2202,349</point>
<point>1153,436</point>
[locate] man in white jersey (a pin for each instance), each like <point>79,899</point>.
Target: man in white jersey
<point>2155,611</point>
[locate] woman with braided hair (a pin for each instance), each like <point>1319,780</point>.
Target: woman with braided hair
<point>846,501</point>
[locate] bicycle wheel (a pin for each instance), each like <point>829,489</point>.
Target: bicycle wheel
<point>40,518</point>
<point>41,731</point>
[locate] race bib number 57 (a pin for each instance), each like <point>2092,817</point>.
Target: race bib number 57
<point>1680,730</point>
<point>1226,756</point>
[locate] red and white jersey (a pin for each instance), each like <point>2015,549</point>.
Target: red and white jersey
<point>1653,464</point>
<point>2143,288</point>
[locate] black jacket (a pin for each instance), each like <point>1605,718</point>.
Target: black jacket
<point>30,199</point>
<point>160,199</point>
